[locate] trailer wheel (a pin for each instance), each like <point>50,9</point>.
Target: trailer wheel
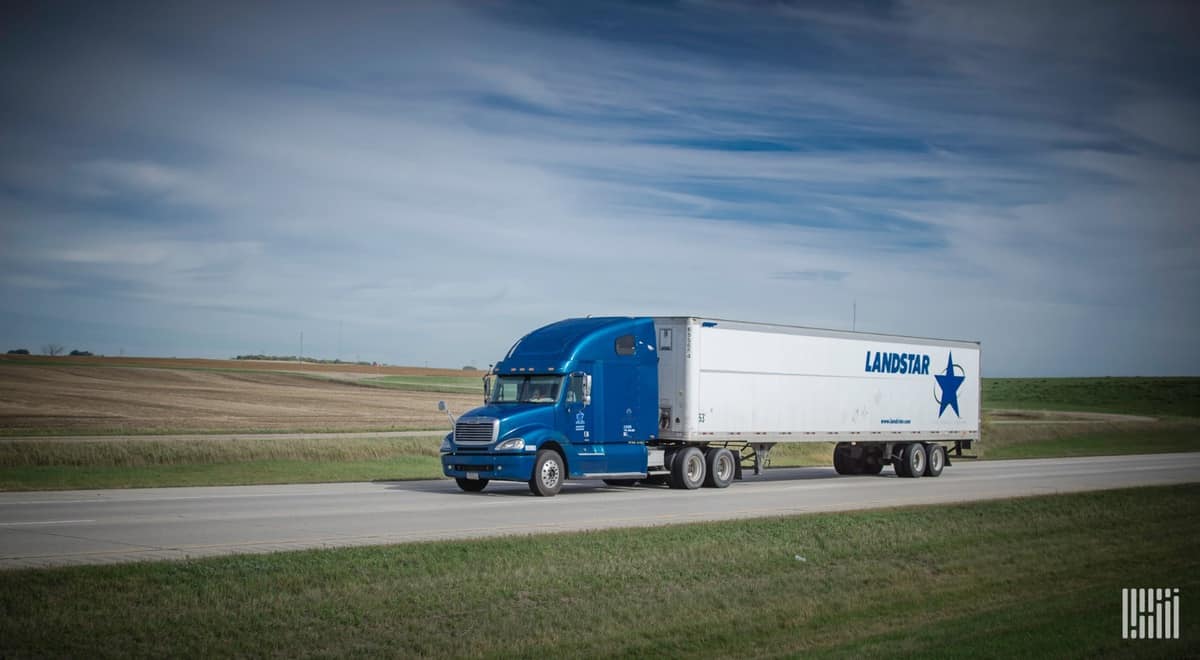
<point>687,469</point>
<point>621,482</point>
<point>548,474</point>
<point>471,485</point>
<point>912,460</point>
<point>842,464</point>
<point>935,460</point>
<point>720,468</point>
<point>872,462</point>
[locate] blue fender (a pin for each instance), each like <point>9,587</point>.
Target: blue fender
<point>542,437</point>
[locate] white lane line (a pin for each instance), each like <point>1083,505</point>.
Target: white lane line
<point>45,522</point>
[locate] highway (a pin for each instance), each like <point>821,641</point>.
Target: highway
<point>109,526</point>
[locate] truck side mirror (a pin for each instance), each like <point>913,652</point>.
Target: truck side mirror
<point>442,407</point>
<point>487,388</point>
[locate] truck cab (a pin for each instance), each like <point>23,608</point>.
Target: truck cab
<point>574,399</point>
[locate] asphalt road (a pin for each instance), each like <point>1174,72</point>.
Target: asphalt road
<point>108,526</point>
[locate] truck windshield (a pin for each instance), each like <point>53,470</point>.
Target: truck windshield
<point>526,389</point>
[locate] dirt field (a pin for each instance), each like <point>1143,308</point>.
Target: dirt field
<point>240,365</point>
<point>79,398</point>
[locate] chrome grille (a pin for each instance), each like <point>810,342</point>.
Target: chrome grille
<point>475,431</point>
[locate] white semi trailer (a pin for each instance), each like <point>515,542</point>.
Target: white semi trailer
<point>691,401</point>
<point>883,398</point>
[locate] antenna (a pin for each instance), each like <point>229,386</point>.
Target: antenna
<point>854,318</point>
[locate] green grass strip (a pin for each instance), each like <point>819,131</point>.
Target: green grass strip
<point>218,474</point>
<point>1158,397</point>
<point>1034,577</point>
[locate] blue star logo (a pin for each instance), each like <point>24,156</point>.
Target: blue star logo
<point>949,383</point>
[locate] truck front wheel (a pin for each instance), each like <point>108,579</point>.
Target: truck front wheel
<point>548,474</point>
<point>687,469</point>
<point>471,485</point>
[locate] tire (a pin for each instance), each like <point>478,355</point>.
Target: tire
<point>935,460</point>
<point>471,485</point>
<point>621,482</point>
<point>687,469</point>
<point>841,459</point>
<point>844,461</point>
<point>869,466</point>
<point>548,474</point>
<point>912,460</point>
<point>719,468</point>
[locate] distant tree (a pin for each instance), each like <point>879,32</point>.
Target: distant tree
<point>469,368</point>
<point>19,351</point>
<point>52,349</point>
<point>79,353</point>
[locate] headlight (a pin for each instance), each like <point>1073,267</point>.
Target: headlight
<point>446,447</point>
<point>512,444</point>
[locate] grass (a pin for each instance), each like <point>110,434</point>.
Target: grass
<point>1098,440</point>
<point>1159,397</point>
<point>802,454</point>
<point>150,433</point>
<point>218,474</point>
<point>1175,401</point>
<point>1015,578</point>
<point>452,384</point>
<point>52,464</point>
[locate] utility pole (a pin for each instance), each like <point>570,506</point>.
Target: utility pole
<point>854,318</point>
<point>300,358</point>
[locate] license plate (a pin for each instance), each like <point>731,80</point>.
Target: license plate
<point>472,475</point>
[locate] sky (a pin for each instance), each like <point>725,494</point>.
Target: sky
<point>423,183</point>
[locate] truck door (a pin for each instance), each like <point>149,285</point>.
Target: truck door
<point>579,425</point>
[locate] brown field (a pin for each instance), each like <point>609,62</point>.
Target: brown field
<point>239,365</point>
<point>122,395</point>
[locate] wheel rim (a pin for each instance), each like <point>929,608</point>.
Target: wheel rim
<point>695,468</point>
<point>724,467</point>
<point>550,474</point>
<point>918,461</point>
<point>935,460</point>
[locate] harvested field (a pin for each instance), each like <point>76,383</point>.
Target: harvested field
<point>234,365</point>
<point>82,399</point>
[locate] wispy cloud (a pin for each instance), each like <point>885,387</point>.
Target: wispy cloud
<point>429,181</point>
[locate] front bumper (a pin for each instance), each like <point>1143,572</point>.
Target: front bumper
<point>499,467</point>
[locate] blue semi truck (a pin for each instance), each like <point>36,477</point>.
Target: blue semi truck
<point>691,402</point>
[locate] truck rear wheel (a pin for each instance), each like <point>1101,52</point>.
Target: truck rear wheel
<point>912,460</point>
<point>471,485</point>
<point>720,468</point>
<point>548,474</point>
<point>687,469</point>
<point>935,460</point>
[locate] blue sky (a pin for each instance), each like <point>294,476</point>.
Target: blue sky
<point>423,183</point>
